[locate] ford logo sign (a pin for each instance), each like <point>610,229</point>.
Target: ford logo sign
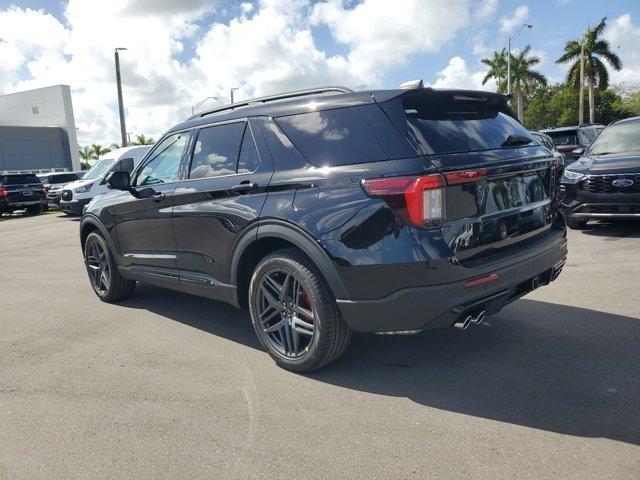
<point>622,182</point>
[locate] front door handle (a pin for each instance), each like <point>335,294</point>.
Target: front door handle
<point>157,196</point>
<point>243,186</point>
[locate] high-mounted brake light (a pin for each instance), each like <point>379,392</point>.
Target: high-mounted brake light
<point>418,200</point>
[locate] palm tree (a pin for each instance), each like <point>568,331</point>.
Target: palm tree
<point>595,70</point>
<point>142,140</point>
<point>497,70</point>
<point>523,79</point>
<point>99,150</point>
<point>86,153</point>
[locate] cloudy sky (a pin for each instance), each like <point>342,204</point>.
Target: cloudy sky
<point>182,51</point>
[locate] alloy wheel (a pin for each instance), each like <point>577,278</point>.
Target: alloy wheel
<point>285,313</point>
<point>98,267</point>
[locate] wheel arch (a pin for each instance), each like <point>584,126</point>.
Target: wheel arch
<point>270,236</point>
<point>91,224</point>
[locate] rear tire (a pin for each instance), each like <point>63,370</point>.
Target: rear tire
<point>34,210</point>
<point>105,278</point>
<point>288,299</point>
<point>574,224</point>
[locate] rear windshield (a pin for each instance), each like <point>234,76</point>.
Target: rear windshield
<point>565,137</point>
<point>64,178</point>
<point>451,124</point>
<point>20,179</point>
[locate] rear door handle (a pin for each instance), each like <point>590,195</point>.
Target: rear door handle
<point>243,186</point>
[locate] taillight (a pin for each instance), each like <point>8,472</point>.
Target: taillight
<point>3,192</point>
<point>465,176</point>
<point>418,200</point>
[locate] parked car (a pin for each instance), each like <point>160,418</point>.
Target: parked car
<point>605,182</point>
<point>573,141</point>
<point>21,191</point>
<point>54,182</point>
<point>559,158</point>
<point>76,195</point>
<point>329,211</point>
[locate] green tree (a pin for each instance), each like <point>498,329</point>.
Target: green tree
<point>524,80</point>
<point>142,140</point>
<point>86,154</point>
<point>497,70</point>
<point>596,50</point>
<point>99,150</point>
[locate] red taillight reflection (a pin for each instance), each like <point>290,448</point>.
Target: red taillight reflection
<point>474,282</point>
<point>465,176</point>
<point>3,192</point>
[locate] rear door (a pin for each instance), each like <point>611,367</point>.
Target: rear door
<point>226,189</point>
<point>498,178</point>
<point>143,224</point>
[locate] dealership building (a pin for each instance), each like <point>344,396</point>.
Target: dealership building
<point>38,131</point>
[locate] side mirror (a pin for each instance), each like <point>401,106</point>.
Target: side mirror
<point>578,151</point>
<point>119,181</point>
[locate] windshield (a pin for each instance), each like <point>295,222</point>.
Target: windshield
<point>98,170</point>
<point>623,138</point>
<point>566,137</point>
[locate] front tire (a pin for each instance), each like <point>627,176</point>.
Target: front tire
<point>105,278</point>
<point>294,313</point>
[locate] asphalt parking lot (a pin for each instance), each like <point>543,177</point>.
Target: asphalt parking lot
<point>167,385</point>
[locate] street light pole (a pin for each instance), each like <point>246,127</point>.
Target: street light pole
<point>581,102</point>
<point>231,90</point>
<point>511,39</point>
<point>123,127</point>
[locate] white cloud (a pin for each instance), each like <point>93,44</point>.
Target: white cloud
<point>177,55</point>
<point>624,38</point>
<point>457,74</point>
<point>517,17</point>
<point>382,35</point>
<point>485,9</point>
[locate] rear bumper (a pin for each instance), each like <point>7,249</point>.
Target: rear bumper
<point>74,207</point>
<point>19,205</point>
<point>439,306</point>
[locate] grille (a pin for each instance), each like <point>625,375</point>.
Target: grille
<point>603,184</point>
<point>67,195</point>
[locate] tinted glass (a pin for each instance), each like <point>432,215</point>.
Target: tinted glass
<point>99,169</point>
<point>216,151</point>
<point>162,167</point>
<point>20,179</point>
<point>285,155</point>
<point>566,137</point>
<point>66,178</point>
<point>623,139</point>
<point>590,134</point>
<point>332,137</point>
<point>447,125</point>
<point>249,160</point>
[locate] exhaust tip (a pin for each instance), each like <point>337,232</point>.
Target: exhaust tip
<point>463,324</point>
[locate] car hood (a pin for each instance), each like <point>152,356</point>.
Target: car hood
<point>607,164</point>
<point>78,183</point>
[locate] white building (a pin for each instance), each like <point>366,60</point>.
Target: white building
<point>42,107</point>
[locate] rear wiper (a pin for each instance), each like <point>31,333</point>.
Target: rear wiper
<point>515,140</point>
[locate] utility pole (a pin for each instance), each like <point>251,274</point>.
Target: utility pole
<point>123,127</point>
<point>231,90</point>
<point>511,39</point>
<point>581,100</point>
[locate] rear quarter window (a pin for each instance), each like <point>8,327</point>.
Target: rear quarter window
<point>332,137</point>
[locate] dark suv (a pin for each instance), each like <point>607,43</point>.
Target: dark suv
<point>21,191</point>
<point>328,211</point>
<point>573,141</point>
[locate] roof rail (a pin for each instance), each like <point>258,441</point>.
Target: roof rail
<point>273,98</point>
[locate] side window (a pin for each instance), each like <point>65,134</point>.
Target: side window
<point>162,166</point>
<point>332,137</point>
<point>249,160</point>
<point>216,151</point>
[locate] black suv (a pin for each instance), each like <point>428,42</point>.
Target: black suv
<point>329,211</point>
<point>604,184</point>
<point>21,191</point>
<point>573,141</point>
